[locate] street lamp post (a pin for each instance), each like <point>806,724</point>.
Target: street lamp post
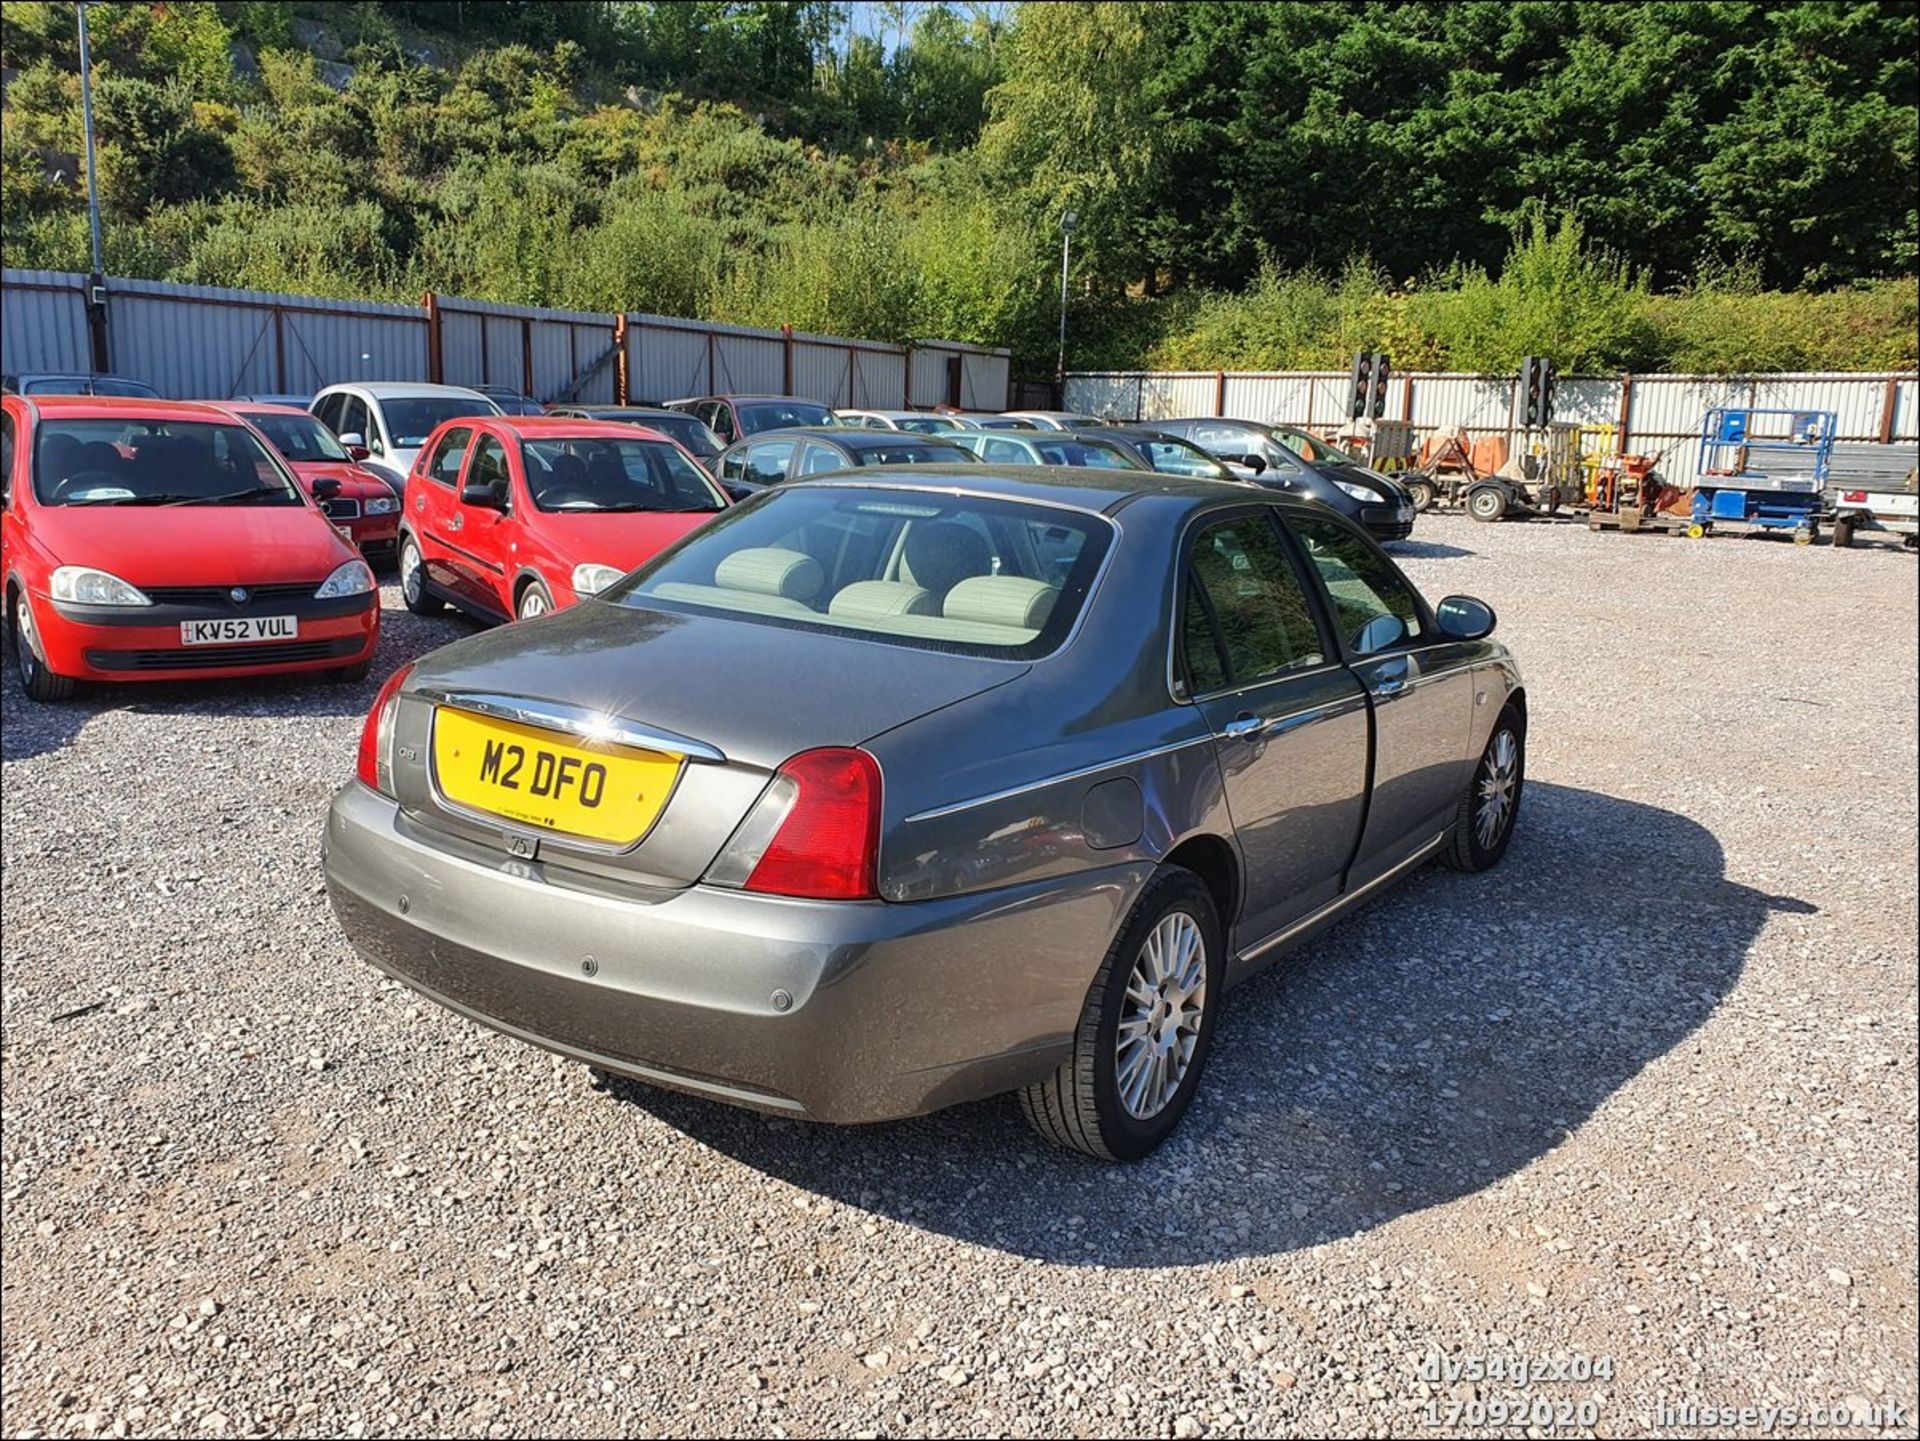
<point>1067,222</point>
<point>86,120</point>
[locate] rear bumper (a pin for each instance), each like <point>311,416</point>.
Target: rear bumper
<point>839,1011</point>
<point>79,642</point>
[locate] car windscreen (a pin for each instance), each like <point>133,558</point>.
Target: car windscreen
<point>908,452</point>
<point>297,437</point>
<point>929,425</point>
<point>593,473</point>
<point>689,430</point>
<point>1068,451</point>
<point>1172,456</point>
<point>102,461</point>
<point>756,416</point>
<point>963,574</point>
<point>411,419</point>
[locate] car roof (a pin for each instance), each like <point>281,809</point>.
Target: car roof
<point>539,427</point>
<point>396,389</point>
<point>848,437</point>
<point>1090,488</point>
<point>259,407</point>
<point>659,410</point>
<point>127,407</point>
<point>894,414</point>
<point>737,397</point>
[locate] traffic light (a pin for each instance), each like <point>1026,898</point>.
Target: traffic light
<point>1362,385</point>
<point>1537,380</point>
<point>1371,371</point>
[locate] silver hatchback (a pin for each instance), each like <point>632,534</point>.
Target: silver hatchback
<point>886,792</point>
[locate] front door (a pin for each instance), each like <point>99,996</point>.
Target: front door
<point>1419,683</point>
<point>430,503</point>
<point>1289,721</point>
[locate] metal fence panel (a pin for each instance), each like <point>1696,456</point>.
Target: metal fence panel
<point>667,360</point>
<point>1906,422</point>
<point>821,372</point>
<point>1165,397</point>
<point>43,321</point>
<point>879,379</point>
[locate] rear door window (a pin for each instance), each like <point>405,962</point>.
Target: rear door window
<point>1247,616</point>
<point>768,462</point>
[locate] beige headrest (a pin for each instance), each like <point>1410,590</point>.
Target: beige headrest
<point>766,570</point>
<point>1009,600</point>
<point>878,599</point>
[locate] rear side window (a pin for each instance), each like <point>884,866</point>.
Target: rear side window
<point>1361,582</point>
<point>6,457</point>
<point>447,456</point>
<point>819,459</point>
<point>1247,614</point>
<point>769,462</point>
<point>328,408</point>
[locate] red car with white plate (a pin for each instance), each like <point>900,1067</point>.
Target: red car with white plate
<point>359,502</point>
<point>165,540</point>
<point>509,517</point>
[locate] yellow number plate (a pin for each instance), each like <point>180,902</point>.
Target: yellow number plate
<point>542,779</point>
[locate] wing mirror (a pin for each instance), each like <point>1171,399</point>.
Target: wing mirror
<point>1383,632</point>
<point>739,489</point>
<point>1461,617</point>
<point>326,488</point>
<point>355,445</point>
<point>478,492</point>
<point>1253,463</point>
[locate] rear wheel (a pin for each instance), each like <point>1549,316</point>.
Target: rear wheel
<point>36,679</point>
<point>1421,493</point>
<point>1145,1030</point>
<point>1843,532</point>
<point>1483,824</point>
<point>1487,503</point>
<point>413,580</point>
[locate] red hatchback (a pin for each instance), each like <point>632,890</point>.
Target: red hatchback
<point>161,540</point>
<point>509,517</point>
<point>359,502</point>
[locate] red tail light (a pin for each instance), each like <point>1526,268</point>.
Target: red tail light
<point>827,846</point>
<point>376,735</point>
<point>1855,497</point>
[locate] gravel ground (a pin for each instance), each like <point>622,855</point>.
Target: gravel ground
<point>1645,1096</point>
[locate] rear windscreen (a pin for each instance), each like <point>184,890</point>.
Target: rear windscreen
<point>970,575</point>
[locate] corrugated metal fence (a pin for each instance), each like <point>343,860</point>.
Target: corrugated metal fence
<point>198,341</point>
<point>1652,414</point>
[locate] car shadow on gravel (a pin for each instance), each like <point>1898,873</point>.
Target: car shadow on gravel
<point>1427,550</point>
<point>1447,1035</point>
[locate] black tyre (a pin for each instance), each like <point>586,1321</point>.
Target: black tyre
<point>534,601</point>
<point>1490,806</point>
<point>1488,503</point>
<point>30,663</point>
<point>1843,532</point>
<point>1145,1031</point>
<point>414,590</point>
<point>1421,493</point>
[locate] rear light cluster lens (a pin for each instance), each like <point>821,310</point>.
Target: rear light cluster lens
<point>815,831</point>
<point>1855,497</point>
<point>376,735</point>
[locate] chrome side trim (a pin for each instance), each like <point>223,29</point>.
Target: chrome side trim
<point>1340,903</point>
<point>573,720</point>
<point>958,806</point>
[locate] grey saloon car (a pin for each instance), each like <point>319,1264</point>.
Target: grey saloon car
<point>883,792</point>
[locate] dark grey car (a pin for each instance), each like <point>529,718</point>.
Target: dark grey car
<point>888,791</point>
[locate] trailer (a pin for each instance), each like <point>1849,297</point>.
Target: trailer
<point>1762,470</point>
<point>1872,487</point>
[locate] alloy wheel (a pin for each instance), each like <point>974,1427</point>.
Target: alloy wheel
<point>1494,806</point>
<point>1160,1016</point>
<point>410,573</point>
<point>23,641</point>
<point>532,604</point>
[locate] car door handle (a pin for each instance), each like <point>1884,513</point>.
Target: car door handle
<point>1389,685</point>
<point>457,522</point>
<point>1242,727</point>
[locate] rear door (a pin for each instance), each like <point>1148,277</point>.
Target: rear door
<point>431,503</point>
<point>1419,684</point>
<point>1289,721</point>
